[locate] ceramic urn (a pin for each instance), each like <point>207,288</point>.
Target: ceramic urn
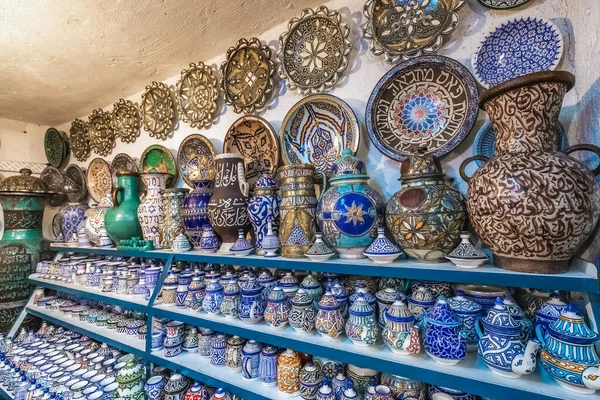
<point>288,373</point>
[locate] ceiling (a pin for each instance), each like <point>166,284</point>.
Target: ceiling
<point>60,59</point>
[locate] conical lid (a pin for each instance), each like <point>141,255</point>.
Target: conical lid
<point>361,306</point>
<point>420,165</point>
<point>499,319</point>
<point>441,314</point>
<point>24,184</point>
<point>571,328</point>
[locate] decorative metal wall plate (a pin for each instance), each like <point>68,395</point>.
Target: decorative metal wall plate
<point>75,185</point>
<point>198,95</point>
<point>158,110</point>
<point>122,162</point>
<point>157,158</point>
<point>126,120</point>
<point>429,101</point>
<point>517,47</point>
<point>247,76</point>
<point>253,139</point>
<point>56,183</point>
<point>79,140</point>
<point>99,179</point>
<point>400,30</point>
<point>316,130</point>
<point>196,159</point>
<point>503,4</point>
<point>314,50</point>
<point>102,136</point>
<point>56,147</point>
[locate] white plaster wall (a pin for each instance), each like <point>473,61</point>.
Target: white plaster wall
<point>21,141</point>
<point>578,21</point>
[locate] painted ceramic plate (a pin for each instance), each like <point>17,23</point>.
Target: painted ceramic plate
<point>56,183</point>
<point>316,130</point>
<point>75,183</point>
<point>79,139</point>
<point>485,141</point>
<point>196,159</point>
<point>313,52</point>
<point>101,134</point>
<point>400,30</point>
<point>122,162</point>
<point>517,47</point>
<point>125,120</point>
<point>430,101</point>
<point>157,158</point>
<point>198,95</point>
<point>158,110</point>
<point>56,147</point>
<point>99,179</point>
<point>503,4</point>
<point>253,139</point>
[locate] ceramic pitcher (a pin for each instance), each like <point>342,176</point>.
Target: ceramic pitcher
<point>151,211</point>
<point>228,206</point>
<point>121,221</point>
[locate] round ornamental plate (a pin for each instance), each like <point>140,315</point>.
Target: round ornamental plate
<point>428,101</point>
<point>196,159</point>
<point>316,130</point>
<point>56,183</point>
<point>157,158</point>
<point>55,147</point>
<point>101,134</point>
<point>79,139</point>
<point>253,139</point>
<point>122,162</point>
<point>158,110</point>
<point>198,95</point>
<point>99,179</point>
<point>75,183</point>
<point>126,120</point>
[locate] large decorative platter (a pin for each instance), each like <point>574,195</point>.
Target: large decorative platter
<point>313,52</point>
<point>430,101</point>
<point>56,183</point>
<point>122,162</point>
<point>79,140</point>
<point>485,141</point>
<point>56,147</point>
<point>316,130</point>
<point>198,95</point>
<point>253,139</point>
<point>101,134</point>
<point>247,76</point>
<point>517,47</point>
<point>503,4</point>
<point>99,179</point>
<point>196,159</point>
<point>157,158</point>
<point>75,183</point>
<point>158,111</point>
<point>126,120</point>
<point>407,29</point>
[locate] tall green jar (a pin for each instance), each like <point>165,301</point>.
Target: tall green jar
<point>121,221</point>
<point>23,199</point>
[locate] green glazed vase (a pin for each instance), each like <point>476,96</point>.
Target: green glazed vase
<point>121,221</point>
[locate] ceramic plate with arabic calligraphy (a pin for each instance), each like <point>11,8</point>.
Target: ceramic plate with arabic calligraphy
<point>79,140</point>
<point>99,179</point>
<point>101,134</point>
<point>198,95</point>
<point>313,52</point>
<point>196,159</point>
<point>503,4</point>
<point>126,120</point>
<point>75,183</point>
<point>122,162</point>
<point>158,110</point>
<point>253,139</point>
<point>157,158</point>
<point>429,101</point>
<point>400,30</point>
<point>316,130</point>
<point>56,147</point>
<point>247,76</point>
<point>56,183</point>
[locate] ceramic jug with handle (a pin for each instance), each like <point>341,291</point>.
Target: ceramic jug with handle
<point>121,221</point>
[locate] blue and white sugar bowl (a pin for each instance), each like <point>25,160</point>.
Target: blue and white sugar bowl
<point>251,359</point>
<point>500,345</point>
<point>444,340</point>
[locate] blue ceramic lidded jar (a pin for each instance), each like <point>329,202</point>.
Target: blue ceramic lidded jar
<point>443,339</point>
<point>469,312</point>
<point>194,210</point>
<point>213,297</point>
<point>252,305</point>
<point>251,359</point>
<point>549,311</point>
<point>267,369</point>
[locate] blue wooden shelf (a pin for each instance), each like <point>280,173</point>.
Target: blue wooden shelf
<point>582,277</point>
<point>4,394</point>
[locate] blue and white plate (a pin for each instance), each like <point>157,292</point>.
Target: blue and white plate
<point>503,4</point>
<point>485,141</point>
<point>517,47</point>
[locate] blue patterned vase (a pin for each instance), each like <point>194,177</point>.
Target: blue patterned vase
<point>71,216</point>
<point>302,312</point>
<point>519,316</point>
<point>252,305</point>
<point>268,282</point>
<point>325,391</point>
<point>419,302</point>
<point>213,297</point>
<point>251,359</point>
<point>154,387</point>
<point>310,381</point>
<point>330,320</point>
<point>195,294</point>
<point>218,346</point>
<point>340,383</point>
<point>231,299</point>
<point>205,338</point>
<point>401,334</point>
<point>209,242</point>
<point>313,288</point>
<point>267,369</point>
<point>263,207</point>
<point>443,339</point>
<point>195,211</point>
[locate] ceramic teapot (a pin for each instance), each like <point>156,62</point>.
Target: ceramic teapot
<point>443,338</point>
<point>401,334</point>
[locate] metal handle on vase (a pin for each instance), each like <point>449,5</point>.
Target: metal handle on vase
<point>586,147</point>
<point>466,162</point>
<point>115,195</point>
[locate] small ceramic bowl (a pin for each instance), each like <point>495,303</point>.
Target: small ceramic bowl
<point>172,351</point>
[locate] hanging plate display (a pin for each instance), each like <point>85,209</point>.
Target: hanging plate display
<point>247,76</point>
<point>79,140</point>
<point>158,111</point>
<point>400,30</point>
<point>75,183</point>
<point>253,139</point>
<point>198,94</point>
<point>56,147</point>
<point>429,101</point>
<point>157,158</point>
<point>314,51</point>
<point>503,4</point>
<point>316,130</point>
<point>102,136</point>
<point>56,183</point>
<point>99,179</point>
<point>122,162</point>
<point>196,159</point>
<point>485,141</point>
<point>126,120</point>
<point>517,47</point>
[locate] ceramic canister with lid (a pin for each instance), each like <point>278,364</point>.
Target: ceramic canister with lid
<point>233,353</point>
<point>218,345</point>
<point>469,312</point>
<point>443,339</point>
<point>361,327</point>
<point>401,334</point>
<point>549,311</point>
<point>310,381</point>
<point>330,320</point>
<point>288,370</point>
<point>302,313</point>
<point>252,305</point>
<point>251,359</point>
<point>385,298</point>
<point>277,310</point>
<point>267,369</point>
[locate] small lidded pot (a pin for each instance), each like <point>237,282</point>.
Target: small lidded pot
<point>302,313</point>
<point>213,297</point>
<point>310,381</point>
<point>401,334</point>
<point>288,373</point>
<point>231,299</point>
<point>251,359</point>
<point>361,326</point>
<point>469,312</point>
<point>385,298</point>
<point>277,310</point>
<point>233,353</point>
<point>443,338</point>
<point>330,320</point>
